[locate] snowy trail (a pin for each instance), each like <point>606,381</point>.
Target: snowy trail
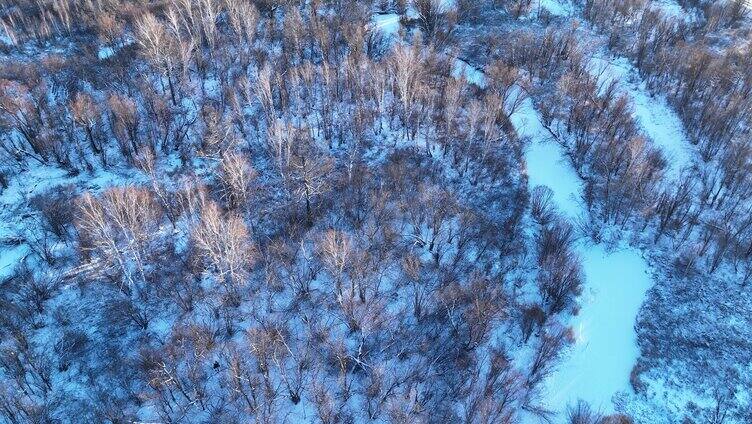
<point>599,364</point>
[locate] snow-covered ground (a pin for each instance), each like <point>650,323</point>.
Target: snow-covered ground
<point>107,51</point>
<point>387,23</point>
<point>554,7</point>
<point>672,8</point>
<point>12,250</point>
<point>605,350</point>
<point>15,215</point>
<point>11,257</point>
<point>656,117</point>
<point>472,74</point>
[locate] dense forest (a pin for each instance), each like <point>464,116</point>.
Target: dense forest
<point>324,211</point>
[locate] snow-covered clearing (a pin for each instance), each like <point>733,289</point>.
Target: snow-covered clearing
<point>387,23</point>
<point>105,52</point>
<point>17,218</point>
<point>672,8</point>
<point>656,117</point>
<point>11,257</point>
<point>12,249</point>
<point>554,7</point>
<point>605,350</point>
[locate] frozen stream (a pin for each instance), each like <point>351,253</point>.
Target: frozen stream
<point>599,364</point>
<point>656,118</point>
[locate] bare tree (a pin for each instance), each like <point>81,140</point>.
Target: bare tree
<point>336,250</point>
<point>125,124</point>
<point>436,20</point>
<point>407,71</point>
<point>117,229</point>
<point>224,243</point>
<point>582,413</point>
<point>237,178</point>
<point>89,118</point>
<point>20,110</point>
<point>547,351</point>
<point>560,274</point>
<point>159,47</point>
<point>310,179</point>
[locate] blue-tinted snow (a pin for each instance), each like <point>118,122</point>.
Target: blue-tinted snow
<point>556,8</point>
<point>38,179</point>
<point>472,74</point>
<point>387,23</point>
